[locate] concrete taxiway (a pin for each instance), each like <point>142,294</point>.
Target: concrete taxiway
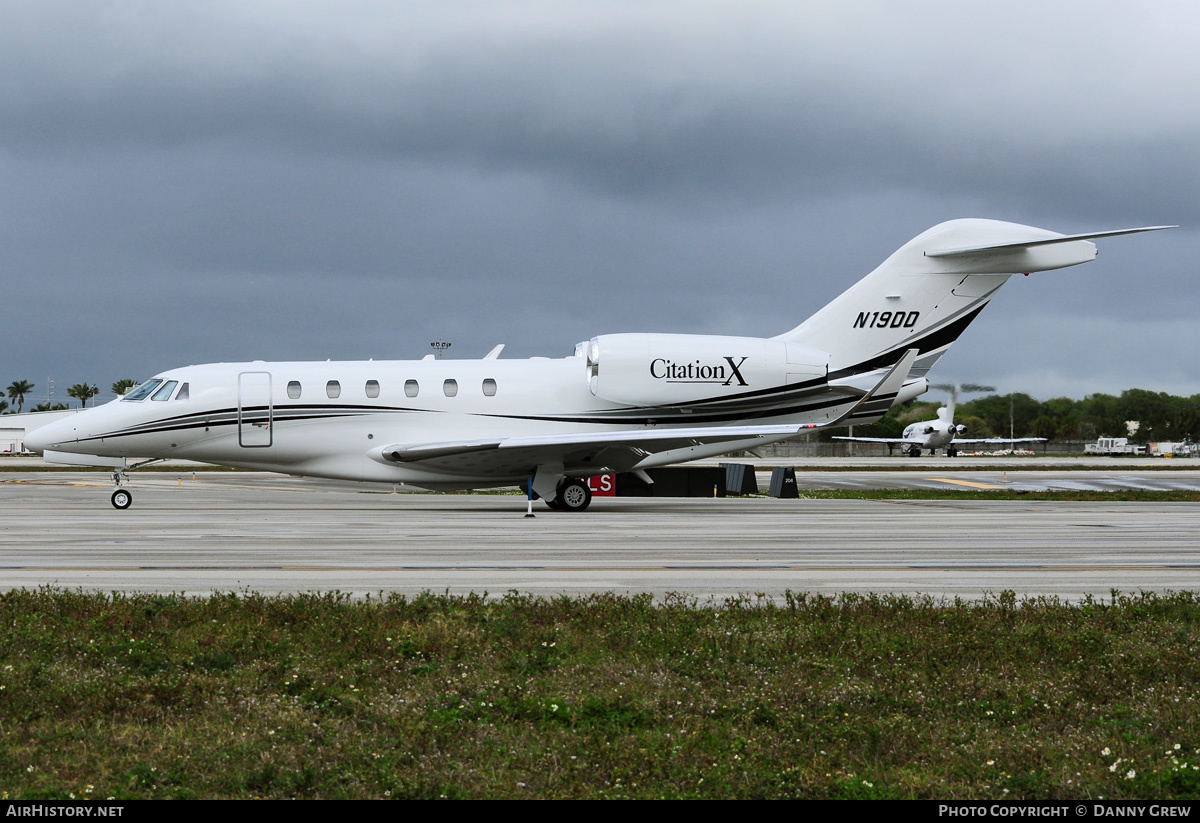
<point>266,533</point>
<point>995,479</point>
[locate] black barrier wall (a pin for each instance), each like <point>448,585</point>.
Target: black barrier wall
<point>674,482</point>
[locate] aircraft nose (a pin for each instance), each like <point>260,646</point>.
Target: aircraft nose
<point>49,435</point>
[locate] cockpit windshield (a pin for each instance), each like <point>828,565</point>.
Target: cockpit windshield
<point>165,392</point>
<point>143,391</point>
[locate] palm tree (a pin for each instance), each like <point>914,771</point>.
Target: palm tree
<point>17,391</point>
<point>121,386</point>
<point>82,391</point>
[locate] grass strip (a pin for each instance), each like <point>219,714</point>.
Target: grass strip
<point>322,696</point>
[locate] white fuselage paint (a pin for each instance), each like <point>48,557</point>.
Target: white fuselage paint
<point>930,434</point>
<point>316,435</point>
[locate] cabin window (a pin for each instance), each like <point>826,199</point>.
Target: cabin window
<point>184,392</point>
<point>411,388</point>
<point>294,389</point>
<point>143,391</point>
<point>164,393</point>
<point>372,388</point>
<point>333,389</point>
<point>489,387</point>
<point>450,387</point>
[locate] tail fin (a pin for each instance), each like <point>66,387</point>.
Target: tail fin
<point>954,389</point>
<point>927,293</point>
<point>946,413</point>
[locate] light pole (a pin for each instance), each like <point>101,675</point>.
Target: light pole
<point>440,346</point>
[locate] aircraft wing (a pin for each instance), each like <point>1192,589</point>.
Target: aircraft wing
<point>998,440</point>
<point>895,440</point>
<point>596,452</point>
<point>587,451</point>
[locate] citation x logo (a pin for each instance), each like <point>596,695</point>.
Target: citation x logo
<point>697,372</point>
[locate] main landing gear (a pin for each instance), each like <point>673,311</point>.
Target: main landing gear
<point>572,496</point>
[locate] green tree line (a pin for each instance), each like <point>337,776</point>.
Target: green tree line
<point>1160,416</point>
<point>19,390</point>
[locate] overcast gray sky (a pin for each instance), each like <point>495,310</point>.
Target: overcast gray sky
<point>189,182</point>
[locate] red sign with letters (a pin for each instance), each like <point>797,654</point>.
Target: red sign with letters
<point>603,485</point>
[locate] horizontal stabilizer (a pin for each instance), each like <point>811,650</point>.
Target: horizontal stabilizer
<point>1032,243</point>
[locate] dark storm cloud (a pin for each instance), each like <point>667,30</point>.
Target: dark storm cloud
<point>349,180</point>
<point>768,106</point>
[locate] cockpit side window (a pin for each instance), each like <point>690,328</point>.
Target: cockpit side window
<point>143,391</point>
<point>164,393</point>
<point>184,392</point>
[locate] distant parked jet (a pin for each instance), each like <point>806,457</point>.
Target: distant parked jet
<point>940,433</point>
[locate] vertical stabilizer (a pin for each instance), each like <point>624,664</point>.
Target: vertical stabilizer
<point>927,293</point>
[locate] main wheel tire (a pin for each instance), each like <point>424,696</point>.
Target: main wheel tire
<point>952,452</point>
<point>915,451</point>
<point>554,504</point>
<point>573,496</point>
<point>121,499</point>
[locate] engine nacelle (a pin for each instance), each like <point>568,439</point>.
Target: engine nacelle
<point>680,369</point>
<point>961,430</point>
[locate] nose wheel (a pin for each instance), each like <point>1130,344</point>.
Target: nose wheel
<point>121,499</point>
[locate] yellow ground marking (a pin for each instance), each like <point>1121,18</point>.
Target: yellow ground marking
<point>973,485</point>
<point>48,483</point>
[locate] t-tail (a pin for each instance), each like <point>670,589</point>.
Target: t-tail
<point>927,293</point>
<point>946,413</point>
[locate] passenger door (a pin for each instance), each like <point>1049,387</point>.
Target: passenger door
<point>254,409</point>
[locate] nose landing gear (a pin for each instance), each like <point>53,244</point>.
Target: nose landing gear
<point>121,498</point>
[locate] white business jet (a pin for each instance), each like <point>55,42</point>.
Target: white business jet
<point>942,432</point>
<point>621,402</point>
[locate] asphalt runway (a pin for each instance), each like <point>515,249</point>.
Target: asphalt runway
<point>271,534</point>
